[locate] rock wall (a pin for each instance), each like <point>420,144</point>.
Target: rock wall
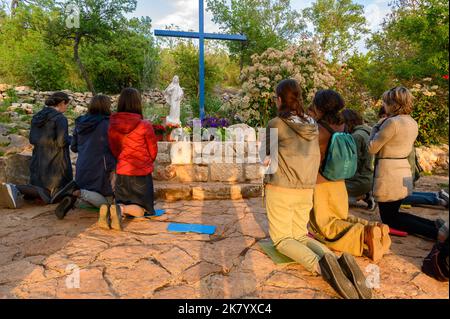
<point>27,97</point>
<point>434,158</point>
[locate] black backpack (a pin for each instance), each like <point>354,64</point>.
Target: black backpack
<point>436,263</point>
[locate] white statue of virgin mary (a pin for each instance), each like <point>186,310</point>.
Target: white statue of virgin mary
<point>174,95</point>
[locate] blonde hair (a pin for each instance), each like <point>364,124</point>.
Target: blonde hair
<point>399,100</point>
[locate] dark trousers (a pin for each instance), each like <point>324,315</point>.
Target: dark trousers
<point>31,192</point>
<point>411,224</point>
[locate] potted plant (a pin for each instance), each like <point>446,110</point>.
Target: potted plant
<point>169,130</point>
<point>160,132</point>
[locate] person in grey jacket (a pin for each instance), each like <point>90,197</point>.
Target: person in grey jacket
<point>292,156</point>
<point>391,141</point>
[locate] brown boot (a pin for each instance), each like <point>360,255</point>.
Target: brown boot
<point>372,237</point>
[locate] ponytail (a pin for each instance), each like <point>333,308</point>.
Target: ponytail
<point>56,98</point>
<point>291,99</point>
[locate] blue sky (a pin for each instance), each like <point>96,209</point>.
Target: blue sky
<point>184,13</point>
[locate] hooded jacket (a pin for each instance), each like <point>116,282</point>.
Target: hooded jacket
<point>50,166</point>
<point>297,161</point>
<point>95,162</point>
<point>133,143</point>
<point>362,182</point>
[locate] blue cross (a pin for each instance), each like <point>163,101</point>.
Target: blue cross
<point>201,35</point>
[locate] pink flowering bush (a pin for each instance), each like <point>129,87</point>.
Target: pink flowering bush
<point>304,63</point>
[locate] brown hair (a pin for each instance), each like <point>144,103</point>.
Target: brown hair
<point>330,103</point>
<point>399,100</point>
<point>291,98</point>
<point>130,101</point>
<point>100,105</point>
<point>57,98</point>
<point>352,119</point>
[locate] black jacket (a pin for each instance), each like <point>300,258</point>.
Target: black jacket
<point>50,167</point>
<point>95,161</point>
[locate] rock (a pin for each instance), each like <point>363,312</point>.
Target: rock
<point>227,172</point>
<point>164,173</point>
<point>175,260</point>
<point>191,173</point>
<point>254,172</point>
<point>17,144</point>
<point>80,109</point>
<point>17,169</point>
<point>5,87</point>
<point>181,153</point>
<point>132,283</point>
<point>199,271</point>
<point>163,158</point>
<point>173,192</point>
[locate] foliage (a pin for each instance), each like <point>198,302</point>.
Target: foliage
<point>430,112</point>
<point>303,63</point>
<point>266,24</point>
<point>339,24</point>
<point>413,43</point>
<point>128,59</point>
<point>37,48</point>
<point>183,61</point>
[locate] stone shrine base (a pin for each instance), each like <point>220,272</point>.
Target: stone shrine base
<point>38,252</point>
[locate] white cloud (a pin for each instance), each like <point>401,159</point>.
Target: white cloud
<point>375,13</point>
<point>185,15</point>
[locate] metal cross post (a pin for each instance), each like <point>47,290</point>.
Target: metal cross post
<point>201,35</point>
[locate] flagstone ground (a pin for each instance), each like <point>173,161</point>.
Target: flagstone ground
<point>146,261</point>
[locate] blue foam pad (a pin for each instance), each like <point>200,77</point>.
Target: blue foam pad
<point>192,228</point>
<point>158,213</point>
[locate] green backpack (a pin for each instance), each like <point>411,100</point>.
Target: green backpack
<point>341,158</point>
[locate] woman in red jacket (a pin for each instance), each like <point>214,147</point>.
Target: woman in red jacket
<point>133,143</point>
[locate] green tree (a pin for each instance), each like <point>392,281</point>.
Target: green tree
<point>266,23</point>
<point>26,57</point>
<point>128,58</point>
<point>98,19</point>
<point>413,43</point>
<point>185,59</point>
<point>340,24</point>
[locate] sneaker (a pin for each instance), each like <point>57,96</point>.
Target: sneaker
<point>65,191</point>
<point>104,218</point>
<point>116,217</point>
<point>373,237</point>
<point>444,195</point>
<point>9,196</point>
<point>355,275</point>
<point>371,203</point>
<point>332,273</point>
<point>65,206</point>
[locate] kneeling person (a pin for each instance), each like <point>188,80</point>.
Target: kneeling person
<point>51,168</point>
<point>133,143</point>
<point>95,164</point>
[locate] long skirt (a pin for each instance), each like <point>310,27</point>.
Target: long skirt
<point>330,220</point>
<point>135,190</point>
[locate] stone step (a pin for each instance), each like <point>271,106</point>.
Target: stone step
<point>206,191</point>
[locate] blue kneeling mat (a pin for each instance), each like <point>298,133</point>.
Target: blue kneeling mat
<point>192,228</point>
<point>158,213</point>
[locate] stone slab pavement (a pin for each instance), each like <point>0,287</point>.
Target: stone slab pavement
<point>38,255</point>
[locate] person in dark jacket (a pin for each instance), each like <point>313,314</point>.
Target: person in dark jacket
<point>51,168</point>
<point>360,186</point>
<point>95,163</point>
<point>133,143</point>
